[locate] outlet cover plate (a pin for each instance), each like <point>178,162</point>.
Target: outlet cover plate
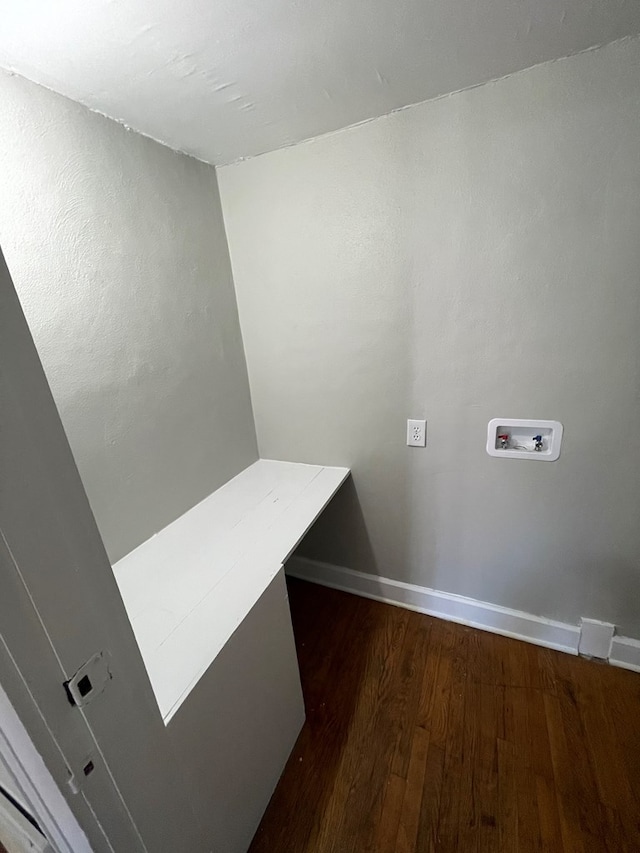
<point>416,433</point>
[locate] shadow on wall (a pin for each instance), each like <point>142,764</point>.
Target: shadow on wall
<point>340,535</point>
<point>605,587</point>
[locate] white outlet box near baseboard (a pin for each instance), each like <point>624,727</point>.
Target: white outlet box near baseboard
<point>595,638</point>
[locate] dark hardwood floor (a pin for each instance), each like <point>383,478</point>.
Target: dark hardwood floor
<point>422,735</point>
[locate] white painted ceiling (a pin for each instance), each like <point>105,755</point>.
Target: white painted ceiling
<point>225,79</point>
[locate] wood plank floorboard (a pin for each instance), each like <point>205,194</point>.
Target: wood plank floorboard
<point>423,736</point>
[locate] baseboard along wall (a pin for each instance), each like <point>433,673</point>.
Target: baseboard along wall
<point>624,651</point>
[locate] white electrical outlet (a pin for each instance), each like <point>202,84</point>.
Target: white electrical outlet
<point>416,433</point>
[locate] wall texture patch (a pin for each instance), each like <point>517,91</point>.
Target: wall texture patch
<point>118,253</point>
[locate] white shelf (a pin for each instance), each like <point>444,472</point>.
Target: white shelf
<point>188,588</point>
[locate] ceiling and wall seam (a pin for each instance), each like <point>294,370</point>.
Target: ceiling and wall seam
<point>310,139</point>
<point>226,84</point>
<point>432,100</point>
<point>11,72</point>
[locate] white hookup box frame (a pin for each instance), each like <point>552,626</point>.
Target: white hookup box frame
<point>522,443</point>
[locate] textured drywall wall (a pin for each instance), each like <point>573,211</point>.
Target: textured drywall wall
<point>470,258</point>
<point>229,80</point>
<point>117,250</point>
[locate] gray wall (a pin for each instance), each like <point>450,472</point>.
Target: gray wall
<point>117,249</point>
<point>472,257</point>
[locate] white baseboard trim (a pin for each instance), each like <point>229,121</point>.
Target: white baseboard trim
<point>517,624</point>
<point>445,605</point>
<point>625,652</point>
